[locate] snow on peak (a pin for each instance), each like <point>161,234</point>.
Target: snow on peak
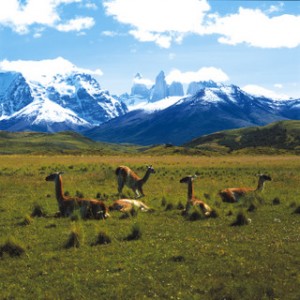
<point>154,106</point>
<point>259,91</point>
<point>43,71</point>
<point>48,111</point>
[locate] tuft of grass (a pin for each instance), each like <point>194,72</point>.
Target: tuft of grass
<point>27,220</point>
<point>102,239</point>
<point>169,206</point>
<point>135,234</point>
<point>193,214</point>
<point>180,205</point>
<point>163,201</point>
<point>297,210</point>
<point>252,207</point>
<point>276,201</point>
<point>214,214</point>
<point>12,247</point>
<point>241,220</point>
<point>178,258</point>
<point>75,238</point>
<point>38,211</point>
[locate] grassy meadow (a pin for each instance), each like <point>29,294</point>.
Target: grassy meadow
<point>172,257</point>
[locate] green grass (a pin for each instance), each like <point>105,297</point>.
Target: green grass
<point>276,138</point>
<point>173,257</point>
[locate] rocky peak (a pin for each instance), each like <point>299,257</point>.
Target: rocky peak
<point>160,89</point>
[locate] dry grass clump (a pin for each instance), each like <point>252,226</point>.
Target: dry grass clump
<point>276,201</point>
<point>297,210</point>
<point>252,207</point>
<point>180,206</point>
<point>169,206</point>
<point>135,234</point>
<point>75,238</point>
<point>241,220</point>
<point>178,258</point>
<point>214,213</point>
<point>27,221</point>
<point>163,201</point>
<point>12,247</point>
<point>102,239</point>
<point>38,211</point>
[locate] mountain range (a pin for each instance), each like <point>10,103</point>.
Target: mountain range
<point>212,107</point>
<point>163,113</point>
<point>63,102</point>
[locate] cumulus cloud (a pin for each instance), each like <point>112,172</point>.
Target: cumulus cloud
<point>203,74</point>
<point>255,28</point>
<point>147,82</point>
<point>261,91</point>
<point>20,16</point>
<point>161,22</point>
<point>44,70</point>
<point>77,24</point>
<point>166,22</point>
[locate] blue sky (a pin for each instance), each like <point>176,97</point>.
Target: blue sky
<point>253,44</point>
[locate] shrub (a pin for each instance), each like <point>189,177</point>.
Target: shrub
<point>12,247</point>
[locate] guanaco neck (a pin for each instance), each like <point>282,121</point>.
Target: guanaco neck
<point>59,189</point>
<point>261,184</point>
<point>146,176</point>
<point>190,195</point>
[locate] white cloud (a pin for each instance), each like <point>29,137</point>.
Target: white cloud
<point>162,22</point>
<point>20,16</point>
<point>203,74</point>
<point>44,70</point>
<point>253,27</point>
<point>275,8</point>
<point>261,91</point>
<point>77,24</point>
<point>168,21</point>
<point>278,85</point>
<point>147,82</point>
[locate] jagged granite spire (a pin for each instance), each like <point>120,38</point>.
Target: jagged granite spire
<point>160,89</point>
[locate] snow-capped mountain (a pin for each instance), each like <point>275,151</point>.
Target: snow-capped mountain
<point>142,95</point>
<point>72,101</point>
<point>212,108</point>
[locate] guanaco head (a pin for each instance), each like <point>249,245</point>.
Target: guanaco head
<point>188,179</point>
<point>53,176</point>
<point>150,169</point>
<point>264,177</point>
